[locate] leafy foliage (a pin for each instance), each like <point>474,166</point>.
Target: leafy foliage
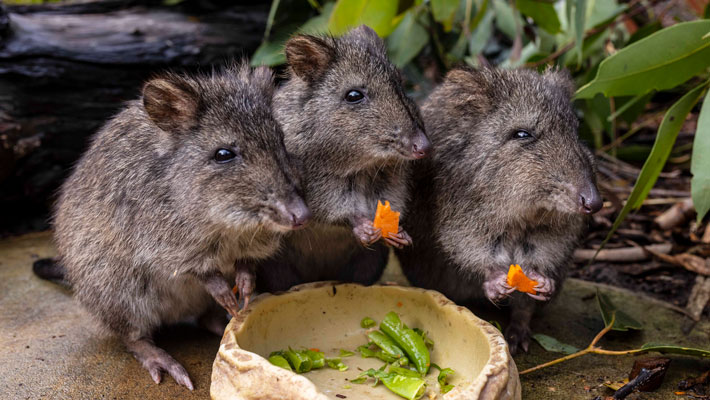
<point>551,344</point>
<point>612,64</point>
<point>621,320</point>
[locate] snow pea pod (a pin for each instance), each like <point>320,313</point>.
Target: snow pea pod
<point>299,360</point>
<point>279,361</point>
<point>409,387</point>
<point>317,358</point>
<point>408,340</point>
<point>386,344</point>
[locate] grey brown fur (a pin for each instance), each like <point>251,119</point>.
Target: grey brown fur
<point>489,198</point>
<point>352,155</point>
<point>149,226</point>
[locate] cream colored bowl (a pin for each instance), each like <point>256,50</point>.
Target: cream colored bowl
<point>327,316</point>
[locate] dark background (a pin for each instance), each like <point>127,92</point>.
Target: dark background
<point>66,68</point>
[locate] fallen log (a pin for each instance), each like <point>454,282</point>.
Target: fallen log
<point>66,68</point>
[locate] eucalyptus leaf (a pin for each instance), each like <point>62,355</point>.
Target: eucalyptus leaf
<point>444,12</point>
<point>543,13</point>
<point>672,349</point>
<point>505,17</point>
<point>269,54</point>
<point>482,34</point>
<point>407,40</point>
<point>580,12</point>
<point>700,162</point>
<point>662,147</point>
<point>660,61</point>
<point>377,14</point>
<point>551,344</point>
<point>622,321</point>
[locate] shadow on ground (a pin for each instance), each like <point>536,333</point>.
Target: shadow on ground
<point>50,348</point>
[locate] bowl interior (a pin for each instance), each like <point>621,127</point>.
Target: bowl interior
<point>328,318</point>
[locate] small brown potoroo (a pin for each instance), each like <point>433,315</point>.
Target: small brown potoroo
<point>171,193</point>
<point>346,118</point>
<point>509,183</point>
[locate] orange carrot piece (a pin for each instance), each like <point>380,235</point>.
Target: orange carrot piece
<point>518,280</point>
<point>386,219</point>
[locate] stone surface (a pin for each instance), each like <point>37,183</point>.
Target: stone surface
<point>50,348</point>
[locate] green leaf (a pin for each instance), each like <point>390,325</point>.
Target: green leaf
<point>671,349</point>
<point>505,18</point>
<point>407,40</point>
<point>271,51</point>
<point>700,162</point>
<point>600,12</point>
<point>543,13</point>
<point>270,18</point>
<point>580,10</point>
<point>319,23</point>
<point>483,32</point>
<point>377,14</point>
<point>444,12</point>
<point>660,61</point>
<point>551,344</point>
<point>346,353</point>
<point>665,138</point>
<point>269,54</point>
<point>622,322</point>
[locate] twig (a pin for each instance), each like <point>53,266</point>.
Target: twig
<point>626,254</point>
<point>688,261</point>
<point>699,297</point>
<point>652,192</point>
<point>675,215</point>
<point>591,349</point>
<point>706,234</point>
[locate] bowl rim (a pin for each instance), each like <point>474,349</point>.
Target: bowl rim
<point>498,379</point>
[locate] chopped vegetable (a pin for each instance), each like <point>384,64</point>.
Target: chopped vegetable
<point>346,353</point>
<point>385,343</point>
<point>299,360</point>
<point>427,340</point>
<point>496,324</point>
<point>367,322</point>
<point>359,379</point>
<point>317,359</point>
<point>518,280</point>
<point>335,363</point>
<point>386,219</point>
<point>443,376</point>
<point>404,371</point>
<point>280,361</point>
<point>409,387</point>
<point>408,340</point>
<point>365,351</point>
